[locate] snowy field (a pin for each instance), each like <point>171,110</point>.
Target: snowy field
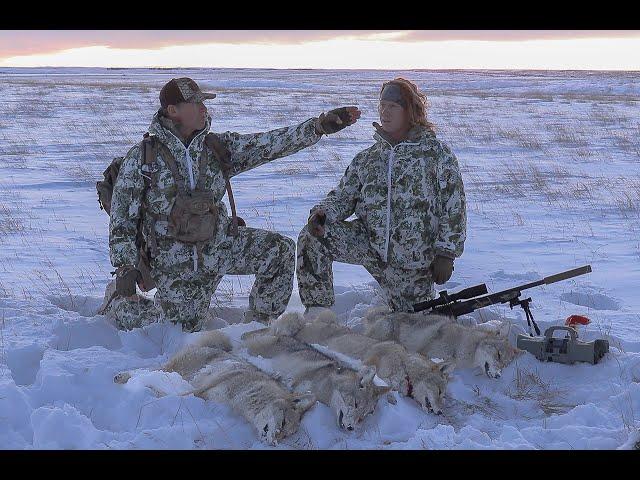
<point>551,165</point>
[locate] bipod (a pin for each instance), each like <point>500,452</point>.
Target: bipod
<point>516,302</point>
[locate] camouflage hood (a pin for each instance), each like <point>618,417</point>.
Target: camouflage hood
<point>409,195</point>
<point>186,155</point>
<point>417,134</point>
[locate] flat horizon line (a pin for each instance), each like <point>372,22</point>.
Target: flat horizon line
<point>334,69</point>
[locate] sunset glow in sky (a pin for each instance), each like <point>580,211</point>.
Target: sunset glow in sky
<point>461,49</point>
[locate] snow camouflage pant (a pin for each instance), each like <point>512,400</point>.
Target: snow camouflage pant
<point>348,242</point>
<point>184,295</point>
<point>132,312</point>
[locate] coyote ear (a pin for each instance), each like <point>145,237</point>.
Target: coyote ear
<point>304,402</point>
<point>446,367</point>
<point>366,375</point>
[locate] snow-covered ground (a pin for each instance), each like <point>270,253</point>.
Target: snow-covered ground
<point>551,164</point>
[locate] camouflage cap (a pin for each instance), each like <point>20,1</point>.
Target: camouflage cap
<point>182,89</point>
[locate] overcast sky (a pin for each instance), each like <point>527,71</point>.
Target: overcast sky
<point>509,49</point>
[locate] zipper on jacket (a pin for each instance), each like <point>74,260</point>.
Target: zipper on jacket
<point>391,159</point>
<point>388,231</point>
<point>192,185</point>
<point>192,182</point>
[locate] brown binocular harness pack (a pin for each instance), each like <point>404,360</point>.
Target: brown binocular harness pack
<point>194,215</point>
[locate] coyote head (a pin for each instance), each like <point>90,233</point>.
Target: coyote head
<point>428,382</point>
<point>493,354</point>
<point>353,400</point>
<point>281,418</point>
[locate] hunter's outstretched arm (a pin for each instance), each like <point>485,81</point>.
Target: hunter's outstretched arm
<point>340,203</point>
<point>254,149</point>
<point>453,215</point>
<point>125,210</point>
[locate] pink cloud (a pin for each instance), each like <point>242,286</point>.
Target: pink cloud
<point>32,42</point>
<point>512,35</point>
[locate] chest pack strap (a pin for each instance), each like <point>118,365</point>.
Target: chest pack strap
<point>223,156</point>
<point>170,162</point>
<point>149,147</point>
<point>202,166</point>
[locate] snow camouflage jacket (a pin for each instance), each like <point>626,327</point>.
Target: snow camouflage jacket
<point>410,197</point>
<point>247,151</point>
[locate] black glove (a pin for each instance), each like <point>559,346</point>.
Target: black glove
<point>441,269</point>
<point>126,279</point>
<point>335,120</point>
<point>316,223</point>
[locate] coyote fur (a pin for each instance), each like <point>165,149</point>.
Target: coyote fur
<point>410,374</point>
<point>351,394</point>
<point>436,336</point>
<point>220,376</point>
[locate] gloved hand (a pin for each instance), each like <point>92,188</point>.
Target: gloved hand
<point>335,120</point>
<point>126,279</point>
<point>316,222</point>
<point>441,269</point>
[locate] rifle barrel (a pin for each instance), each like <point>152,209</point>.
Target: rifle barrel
<point>551,279</point>
<point>568,274</point>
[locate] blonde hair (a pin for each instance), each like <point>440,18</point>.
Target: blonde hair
<point>416,102</point>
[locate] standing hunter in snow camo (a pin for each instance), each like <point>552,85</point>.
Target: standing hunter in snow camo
<point>176,193</point>
<point>407,194</point>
